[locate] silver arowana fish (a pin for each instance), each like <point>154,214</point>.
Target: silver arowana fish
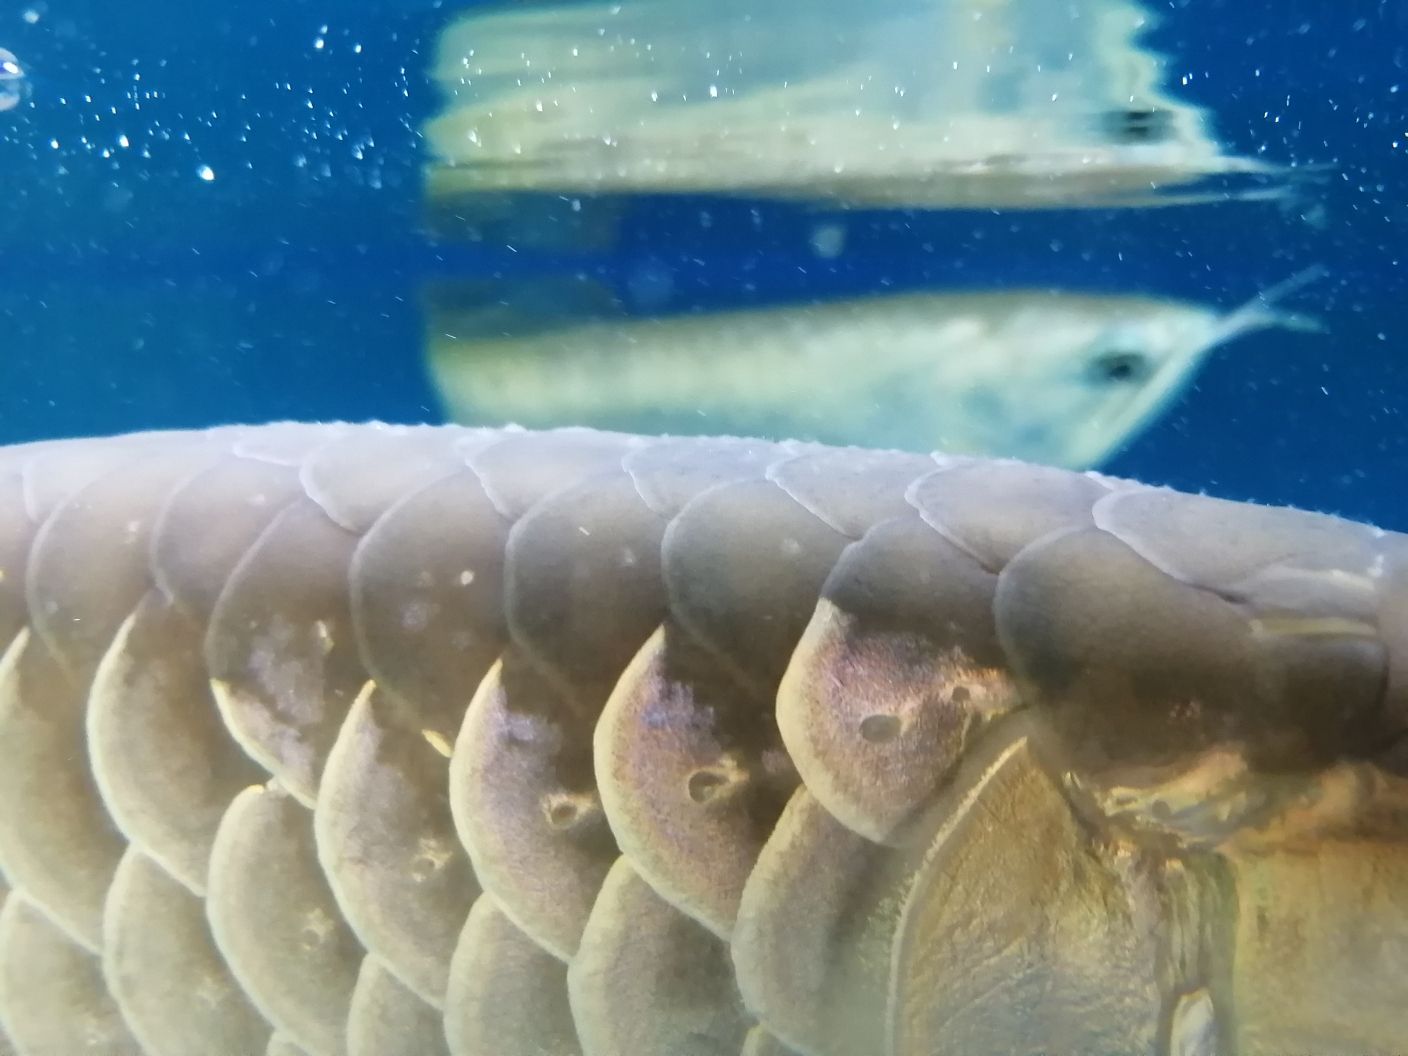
<point>1060,378</point>
<point>898,103</point>
<point>332,739</point>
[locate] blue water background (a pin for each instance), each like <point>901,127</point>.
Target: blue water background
<point>134,294</point>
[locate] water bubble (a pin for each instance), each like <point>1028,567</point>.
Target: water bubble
<point>14,82</point>
<point>828,240</point>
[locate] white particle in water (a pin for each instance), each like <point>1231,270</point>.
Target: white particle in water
<point>206,173</point>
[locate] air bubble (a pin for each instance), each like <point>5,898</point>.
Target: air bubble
<point>14,82</point>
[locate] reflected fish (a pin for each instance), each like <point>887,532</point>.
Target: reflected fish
<point>904,103</point>
<point>1061,378</point>
<point>14,82</point>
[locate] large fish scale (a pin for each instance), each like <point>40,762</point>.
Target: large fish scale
<point>322,740</point>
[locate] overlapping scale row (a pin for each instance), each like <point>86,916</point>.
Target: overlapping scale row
<point>323,740</point>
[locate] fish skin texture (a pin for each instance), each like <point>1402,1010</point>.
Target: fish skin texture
<point>326,739</point>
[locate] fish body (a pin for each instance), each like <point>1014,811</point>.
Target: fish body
<point>910,103</point>
<point>1055,377</point>
<point>358,739</point>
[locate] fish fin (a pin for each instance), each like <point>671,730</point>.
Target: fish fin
<point>1299,322</point>
<point>515,307</point>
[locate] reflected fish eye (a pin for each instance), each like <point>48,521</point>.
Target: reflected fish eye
<point>1139,126</point>
<point>1120,366</point>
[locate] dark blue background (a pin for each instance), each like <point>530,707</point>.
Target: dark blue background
<point>133,294</point>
